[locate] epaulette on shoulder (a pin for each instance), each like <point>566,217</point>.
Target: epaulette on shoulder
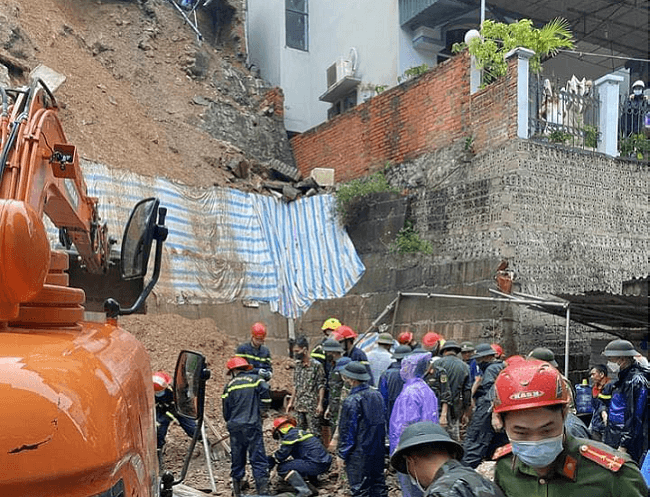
<point>604,457</point>
<point>504,450</point>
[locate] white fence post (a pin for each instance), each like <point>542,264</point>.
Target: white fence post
<point>608,121</point>
<point>523,57</point>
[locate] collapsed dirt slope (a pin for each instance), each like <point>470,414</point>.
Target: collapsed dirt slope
<point>137,81</point>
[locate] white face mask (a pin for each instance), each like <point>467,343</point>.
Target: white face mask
<point>538,454</point>
<point>637,91</point>
<point>614,367</point>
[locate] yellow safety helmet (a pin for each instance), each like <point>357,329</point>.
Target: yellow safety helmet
<point>331,324</point>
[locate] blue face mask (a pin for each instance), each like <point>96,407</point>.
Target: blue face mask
<point>538,454</point>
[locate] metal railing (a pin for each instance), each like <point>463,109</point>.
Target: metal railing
<point>565,113</point>
<point>634,127</point>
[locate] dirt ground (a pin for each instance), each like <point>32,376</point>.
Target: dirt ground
<point>164,336</point>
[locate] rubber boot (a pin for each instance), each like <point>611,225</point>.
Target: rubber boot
<point>236,488</point>
<point>262,487</point>
<point>298,483</point>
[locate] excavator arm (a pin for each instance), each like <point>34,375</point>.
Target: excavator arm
<point>40,174</point>
<point>39,167</point>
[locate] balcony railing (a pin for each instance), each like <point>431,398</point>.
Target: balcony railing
<point>564,112</point>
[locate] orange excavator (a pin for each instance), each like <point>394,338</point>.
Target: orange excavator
<point>77,396</point>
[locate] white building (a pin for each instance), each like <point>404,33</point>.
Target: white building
<point>329,55</point>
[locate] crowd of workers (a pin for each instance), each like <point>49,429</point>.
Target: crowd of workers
<point>435,410</point>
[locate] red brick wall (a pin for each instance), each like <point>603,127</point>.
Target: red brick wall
<point>431,112</point>
<point>274,98</point>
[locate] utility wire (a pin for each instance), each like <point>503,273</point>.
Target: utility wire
<point>603,55</point>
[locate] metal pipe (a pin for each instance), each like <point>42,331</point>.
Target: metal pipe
<point>392,324</point>
<point>566,342</point>
<point>487,299</point>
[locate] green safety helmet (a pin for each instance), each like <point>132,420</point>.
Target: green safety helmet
<point>620,348</point>
<point>424,432</point>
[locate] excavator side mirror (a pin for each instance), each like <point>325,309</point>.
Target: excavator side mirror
<point>137,239</point>
<point>189,396</point>
<point>189,384</point>
<point>140,232</point>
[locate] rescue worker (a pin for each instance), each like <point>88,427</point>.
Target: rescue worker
<point>547,355</point>
<point>256,353</point>
<point>499,350</point>
<point>467,351</point>
<point>245,398</point>
<point>391,382</point>
<point>362,433</point>
<point>481,439</point>
<point>166,411</point>
<point>406,338</point>
<point>455,406</point>
<point>347,336</point>
<point>381,358</point>
<point>542,458</point>
<point>431,460</point>
<point>626,422</point>
<point>333,353</point>
<point>309,388</point>
<point>415,403</point>
<point>301,455</point>
<point>431,342</point>
<point>327,328</point>
<point>601,395</point>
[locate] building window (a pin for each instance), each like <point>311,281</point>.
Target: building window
<point>296,24</point>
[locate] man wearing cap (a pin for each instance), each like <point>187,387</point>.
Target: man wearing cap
<point>391,382</point>
<point>542,458</point>
<point>333,357</point>
<point>481,438</point>
<point>457,373</point>
<point>347,336</point>
<point>626,425</point>
<point>256,353</point>
<point>362,433</point>
<point>431,460</point>
<point>381,358</point>
<point>467,351</point>
<point>309,388</point>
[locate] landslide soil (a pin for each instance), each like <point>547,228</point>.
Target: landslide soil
<point>129,99</point>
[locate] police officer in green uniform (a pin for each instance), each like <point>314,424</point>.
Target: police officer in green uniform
<point>542,459</point>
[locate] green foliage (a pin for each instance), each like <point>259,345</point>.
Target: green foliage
<point>636,146</point>
<point>408,241</point>
<point>380,88</point>
<point>591,136</point>
<point>498,38</point>
<point>469,144</point>
<point>413,72</point>
<point>352,192</point>
<point>559,136</point>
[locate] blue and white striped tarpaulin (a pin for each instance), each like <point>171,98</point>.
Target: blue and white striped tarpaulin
<point>227,245</point>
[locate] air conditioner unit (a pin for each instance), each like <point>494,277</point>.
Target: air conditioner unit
<point>338,70</point>
<point>428,39</point>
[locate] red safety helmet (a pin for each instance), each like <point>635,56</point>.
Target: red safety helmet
<point>258,330</point>
<point>405,338</point>
<point>529,384</point>
<point>429,339</point>
<point>280,422</point>
<point>346,332</point>
<point>161,381</point>
<point>497,348</point>
<point>514,359</point>
<point>238,363</point>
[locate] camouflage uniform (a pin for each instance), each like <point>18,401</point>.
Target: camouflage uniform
<point>337,394</point>
<point>437,380</point>
<point>455,480</point>
<point>308,381</point>
<point>585,468</point>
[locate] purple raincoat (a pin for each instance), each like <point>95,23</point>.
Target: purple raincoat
<point>416,402</point>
